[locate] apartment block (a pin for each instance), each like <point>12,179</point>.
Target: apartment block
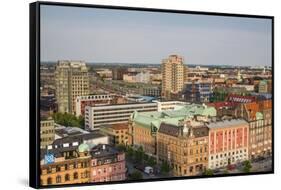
<point>71,80</point>
<point>172,75</point>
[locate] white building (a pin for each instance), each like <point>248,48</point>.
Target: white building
<point>96,116</point>
<point>91,100</point>
<point>248,87</point>
<point>170,105</point>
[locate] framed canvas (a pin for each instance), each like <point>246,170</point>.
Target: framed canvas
<point>126,94</point>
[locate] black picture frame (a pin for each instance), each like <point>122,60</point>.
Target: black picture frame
<point>34,89</point>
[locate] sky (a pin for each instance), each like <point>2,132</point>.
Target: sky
<point>123,36</point>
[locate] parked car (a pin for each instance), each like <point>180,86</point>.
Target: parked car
<point>148,170</point>
<point>231,166</point>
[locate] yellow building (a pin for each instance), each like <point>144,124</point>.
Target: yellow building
<point>119,133</point>
<point>47,132</point>
<point>173,73</point>
<point>184,148</point>
<point>65,166</point>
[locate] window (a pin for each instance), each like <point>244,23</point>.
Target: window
<point>67,178</point>
<point>75,175</point>
<point>191,169</point>
<point>58,179</point>
<point>49,181</point>
<point>57,168</point>
<point>49,170</point>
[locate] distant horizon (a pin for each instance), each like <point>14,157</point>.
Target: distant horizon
<point>97,35</point>
<point>131,63</point>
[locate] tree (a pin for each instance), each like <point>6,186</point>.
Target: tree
<point>145,157</point>
<point>165,167</point>
<point>68,120</point>
<point>136,175</point>
<point>139,154</point>
<point>247,166</point>
<point>208,172</point>
<point>151,161</point>
<point>121,147</point>
<point>130,152</point>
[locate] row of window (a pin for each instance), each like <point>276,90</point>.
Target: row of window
<point>50,131</point>
<point>66,177</point>
<point>229,154</point>
<point>106,170</point>
<point>47,139</point>
<point>50,169</point>
<point>47,124</point>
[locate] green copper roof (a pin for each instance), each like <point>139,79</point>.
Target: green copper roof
<point>264,82</point>
<point>259,116</point>
<point>148,119</point>
<point>83,147</point>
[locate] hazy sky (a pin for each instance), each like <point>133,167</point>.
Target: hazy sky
<point>101,35</point>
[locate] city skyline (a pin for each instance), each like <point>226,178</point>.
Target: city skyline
<point>122,36</point>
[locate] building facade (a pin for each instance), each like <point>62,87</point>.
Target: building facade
<point>118,133</point>
<point>97,116</point>
<point>198,91</point>
<point>169,105</point>
<point>65,166</point>
<point>47,132</point>
<point>184,148</point>
<point>107,164</point>
<point>91,100</point>
<point>259,116</point>
<point>228,142</point>
<point>172,75</point>
<point>117,73</point>
<point>151,91</point>
<point>263,86</point>
<point>71,80</point>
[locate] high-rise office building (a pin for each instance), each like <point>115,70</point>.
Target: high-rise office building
<point>71,80</point>
<point>172,75</point>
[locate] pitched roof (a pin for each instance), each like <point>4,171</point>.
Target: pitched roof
<point>169,129</point>
<point>240,99</point>
<point>254,108</point>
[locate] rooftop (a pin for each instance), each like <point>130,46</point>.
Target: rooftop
<point>241,99</point>
<point>172,117</point>
<point>254,109</point>
<point>169,129</point>
<point>223,104</point>
<point>78,138</point>
<point>67,131</point>
<point>103,150</point>
<point>226,123</point>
